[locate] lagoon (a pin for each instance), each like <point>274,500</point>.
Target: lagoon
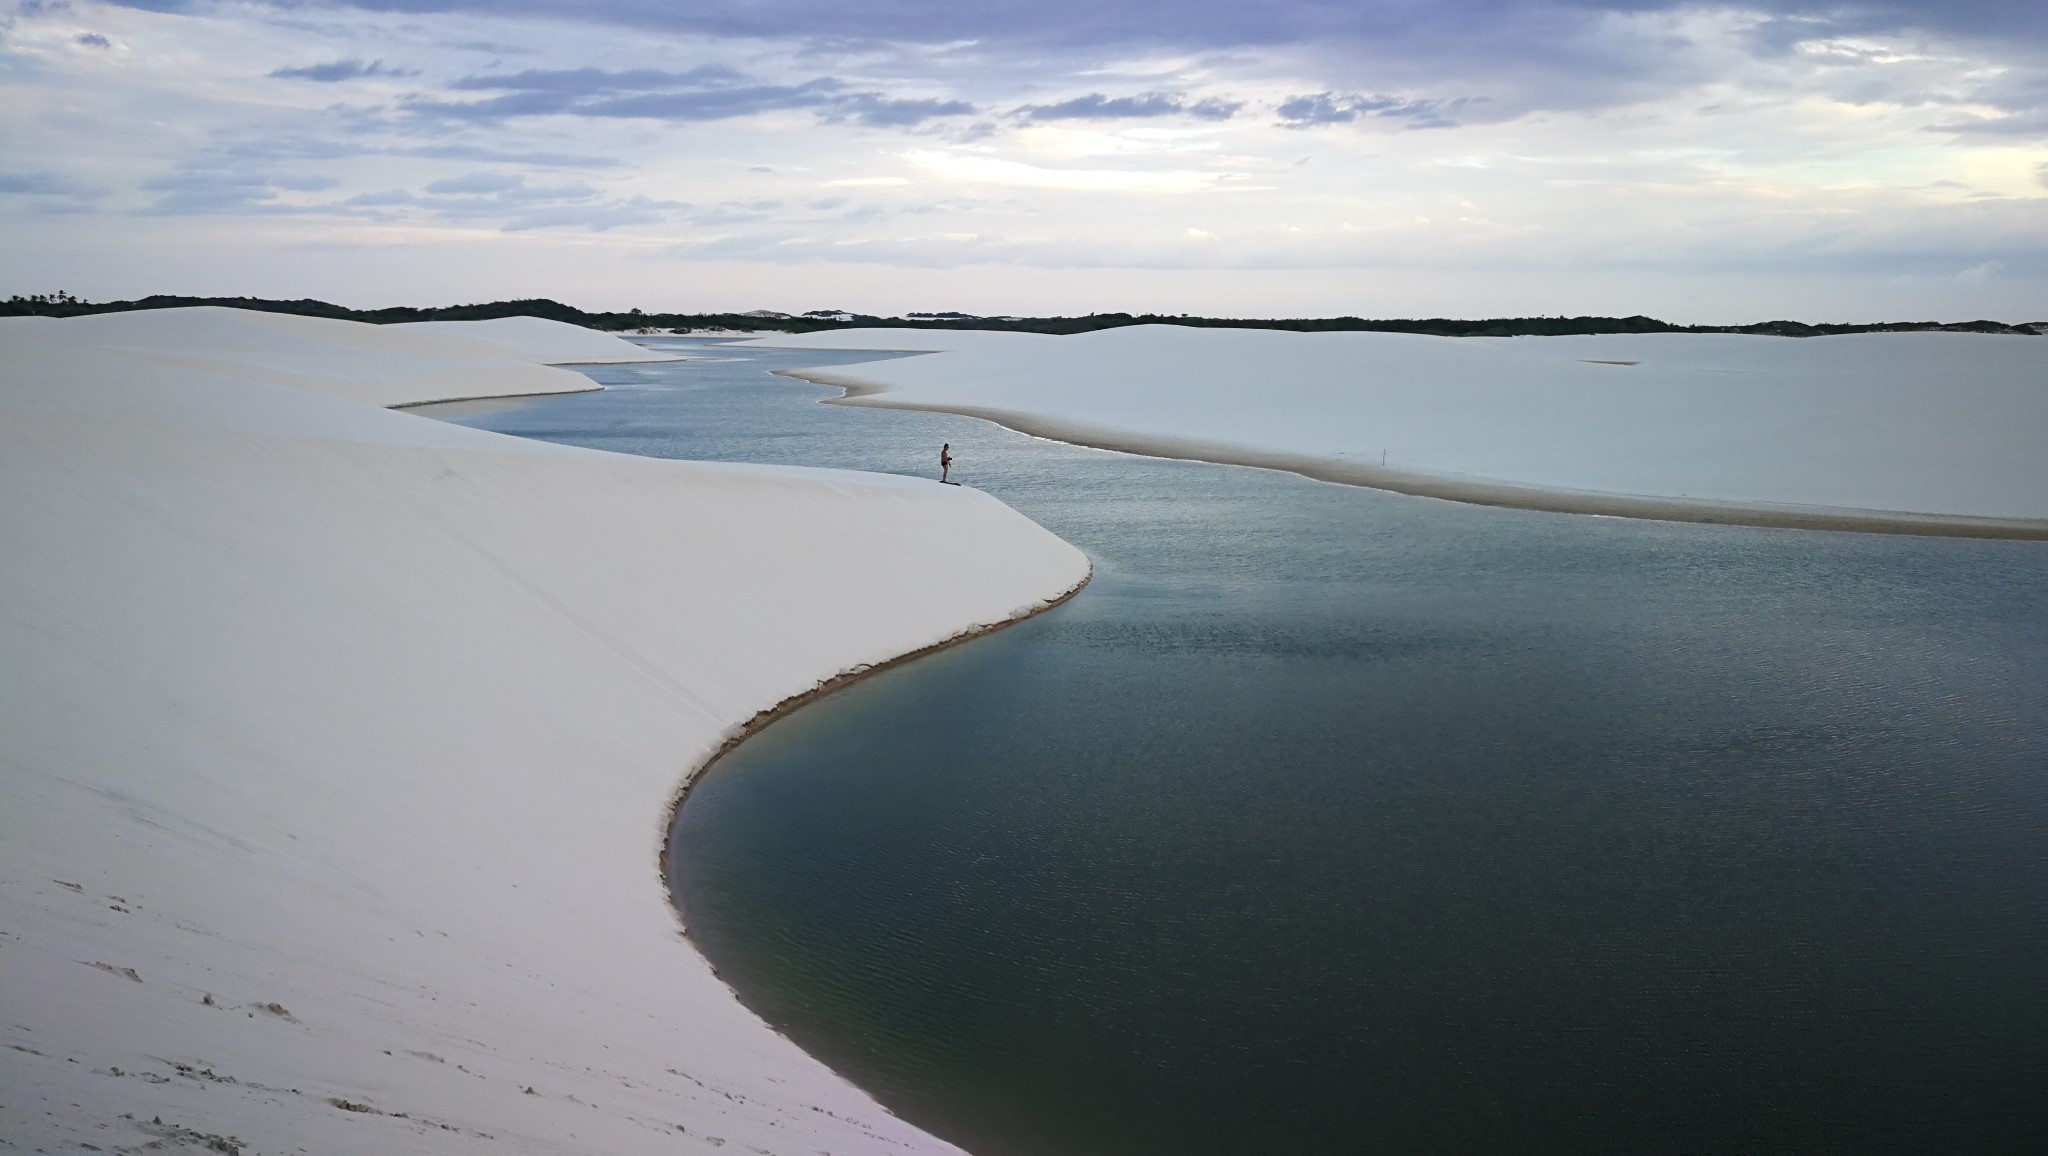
<point>1328,820</point>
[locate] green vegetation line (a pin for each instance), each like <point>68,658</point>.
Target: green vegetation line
<point>65,305</point>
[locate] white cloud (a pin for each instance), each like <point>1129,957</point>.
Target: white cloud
<point>976,169</point>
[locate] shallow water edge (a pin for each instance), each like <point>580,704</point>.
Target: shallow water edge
<point>795,702</point>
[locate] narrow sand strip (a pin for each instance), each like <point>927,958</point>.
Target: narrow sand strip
<point>1475,492</point>
<point>1900,433</point>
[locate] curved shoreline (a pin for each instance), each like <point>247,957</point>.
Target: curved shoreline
<point>1473,492</point>
<point>594,388</point>
<point>741,732</point>
<point>761,719</point>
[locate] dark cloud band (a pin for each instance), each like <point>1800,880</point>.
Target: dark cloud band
<point>339,70</point>
<point>1193,23</point>
<point>1096,106</point>
<point>700,94</point>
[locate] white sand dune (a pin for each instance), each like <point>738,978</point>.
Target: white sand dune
<point>381,365</point>
<point>540,340</point>
<point>910,340</point>
<point>335,746</point>
<point>1930,432</point>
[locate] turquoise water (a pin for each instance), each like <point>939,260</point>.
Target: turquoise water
<point>1331,821</point>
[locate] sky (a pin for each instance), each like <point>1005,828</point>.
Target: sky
<point>1381,158</point>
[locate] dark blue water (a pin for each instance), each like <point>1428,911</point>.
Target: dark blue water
<point>1331,821</point>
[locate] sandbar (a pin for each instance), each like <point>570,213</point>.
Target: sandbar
<point>1918,433</point>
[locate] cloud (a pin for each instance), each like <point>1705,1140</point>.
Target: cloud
<point>44,184</point>
<point>2027,124</point>
<point>1096,106</point>
<point>92,40</point>
<point>302,183</point>
<point>882,112</point>
<point>205,191</point>
<point>714,103</point>
<point>338,70</point>
<point>517,192</point>
<point>1342,108</point>
<point>701,94</point>
<point>1738,125</point>
<point>735,212</point>
<point>1528,55</point>
<point>1972,18</point>
<point>215,184</point>
<point>972,169</point>
<point>952,250</point>
<point>1948,245</point>
<point>306,147</point>
<point>1198,24</point>
<point>548,160</point>
<point>594,81</point>
<point>516,205</point>
<point>597,218</point>
<point>384,199</point>
<point>477,183</point>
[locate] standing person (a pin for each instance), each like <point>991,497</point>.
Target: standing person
<point>945,461</point>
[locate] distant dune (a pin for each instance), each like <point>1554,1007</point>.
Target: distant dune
<point>1921,432</point>
<point>380,365</point>
<point>537,339</point>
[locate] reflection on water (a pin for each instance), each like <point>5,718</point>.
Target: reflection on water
<point>1329,821</point>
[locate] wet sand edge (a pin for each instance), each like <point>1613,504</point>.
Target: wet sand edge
<point>505,397</point>
<point>763,718</point>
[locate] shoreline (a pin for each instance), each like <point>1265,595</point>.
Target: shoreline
<point>1474,492</point>
<point>419,405</point>
<point>741,732</point>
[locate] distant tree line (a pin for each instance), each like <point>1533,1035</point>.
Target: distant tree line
<point>63,304</point>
